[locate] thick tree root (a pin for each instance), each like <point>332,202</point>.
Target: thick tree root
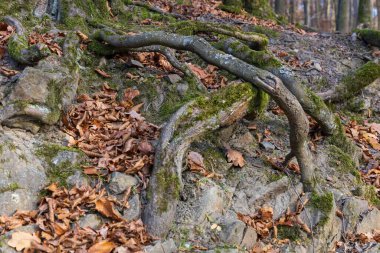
<point>311,103</point>
<point>156,9</point>
<point>188,123</point>
<point>352,84</point>
<point>299,125</point>
<point>257,40</point>
<point>18,47</point>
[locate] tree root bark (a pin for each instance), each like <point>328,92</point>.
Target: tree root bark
<point>18,47</point>
<point>310,102</point>
<point>299,125</point>
<point>257,40</point>
<point>188,123</point>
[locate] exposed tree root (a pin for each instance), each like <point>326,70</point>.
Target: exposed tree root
<point>18,47</point>
<point>352,84</point>
<point>299,125</point>
<point>188,123</point>
<point>310,102</point>
<point>156,9</point>
<point>257,41</point>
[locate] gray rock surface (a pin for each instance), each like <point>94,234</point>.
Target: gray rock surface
<point>370,222</point>
<point>232,229</point>
<point>352,209</point>
<point>22,175</point>
<point>134,211</point>
<point>249,238</point>
<point>162,247</point>
<point>77,179</point>
<point>120,182</point>
<point>93,221</point>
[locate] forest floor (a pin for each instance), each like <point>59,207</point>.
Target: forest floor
<point>79,184</point>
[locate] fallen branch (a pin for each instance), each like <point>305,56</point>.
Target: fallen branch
<point>299,125</point>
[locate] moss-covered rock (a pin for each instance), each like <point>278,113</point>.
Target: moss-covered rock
<point>355,82</point>
<point>370,36</point>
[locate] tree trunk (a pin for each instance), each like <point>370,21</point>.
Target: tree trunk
<point>293,11</point>
<point>306,11</point>
<point>280,7</point>
<point>378,14</point>
<point>342,22</point>
<point>259,8</point>
<point>364,15</point>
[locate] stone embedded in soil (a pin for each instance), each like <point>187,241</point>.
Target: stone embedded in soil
<point>66,156</point>
<point>134,211</point>
<point>174,78</point>
<point>232,229</point>
<point>267,146</point>
<point>167,246</point>
<point>120,182</point>
<point>93,221</point>
<point>352,210</point>
<point>211,202</point>
<point>370,222</point>
<point>77,179</point>
<point>249,238</point>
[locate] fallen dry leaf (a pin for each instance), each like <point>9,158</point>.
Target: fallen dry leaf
<point>107,208</point>
<point>102,73</point>
<point>102,247</point>
<point>22,240</point>
<point>235,157</point>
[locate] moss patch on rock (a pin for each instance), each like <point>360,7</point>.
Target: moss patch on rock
<point>324,203</point>
<point>59,173</point>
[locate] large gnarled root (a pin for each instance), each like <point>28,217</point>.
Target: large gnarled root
<point>299,125</point>
<point>18,47</point>
<point>188,123</point>
<point>310,102</point>
<point>352,84</point>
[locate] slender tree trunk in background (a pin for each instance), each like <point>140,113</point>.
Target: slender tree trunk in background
<point>280,7</point>
<point>378,13</point>
<point>293,11</point>
<point>328,23</point>
<point>342,22</point>
<point>306,12</point>
<point>364,15</point>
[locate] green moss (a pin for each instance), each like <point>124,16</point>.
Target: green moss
<point>10,187</point>
<point>58,173</point>
<point>259,8</point>
<point>370,36</point>
<point>212,158</point>
<point>168,183</point>
<point>53,101</point>
<point>291,233</point>
<point>370,193</point>
<point>274,176</point>
<point>342,161</point>
<point>339,139</point>
<point>230,8</point>
<point>355,82</point>
<point>324,203</point>
<point>318,103</point>
<point>262,59</point>
<point>265,30</point>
